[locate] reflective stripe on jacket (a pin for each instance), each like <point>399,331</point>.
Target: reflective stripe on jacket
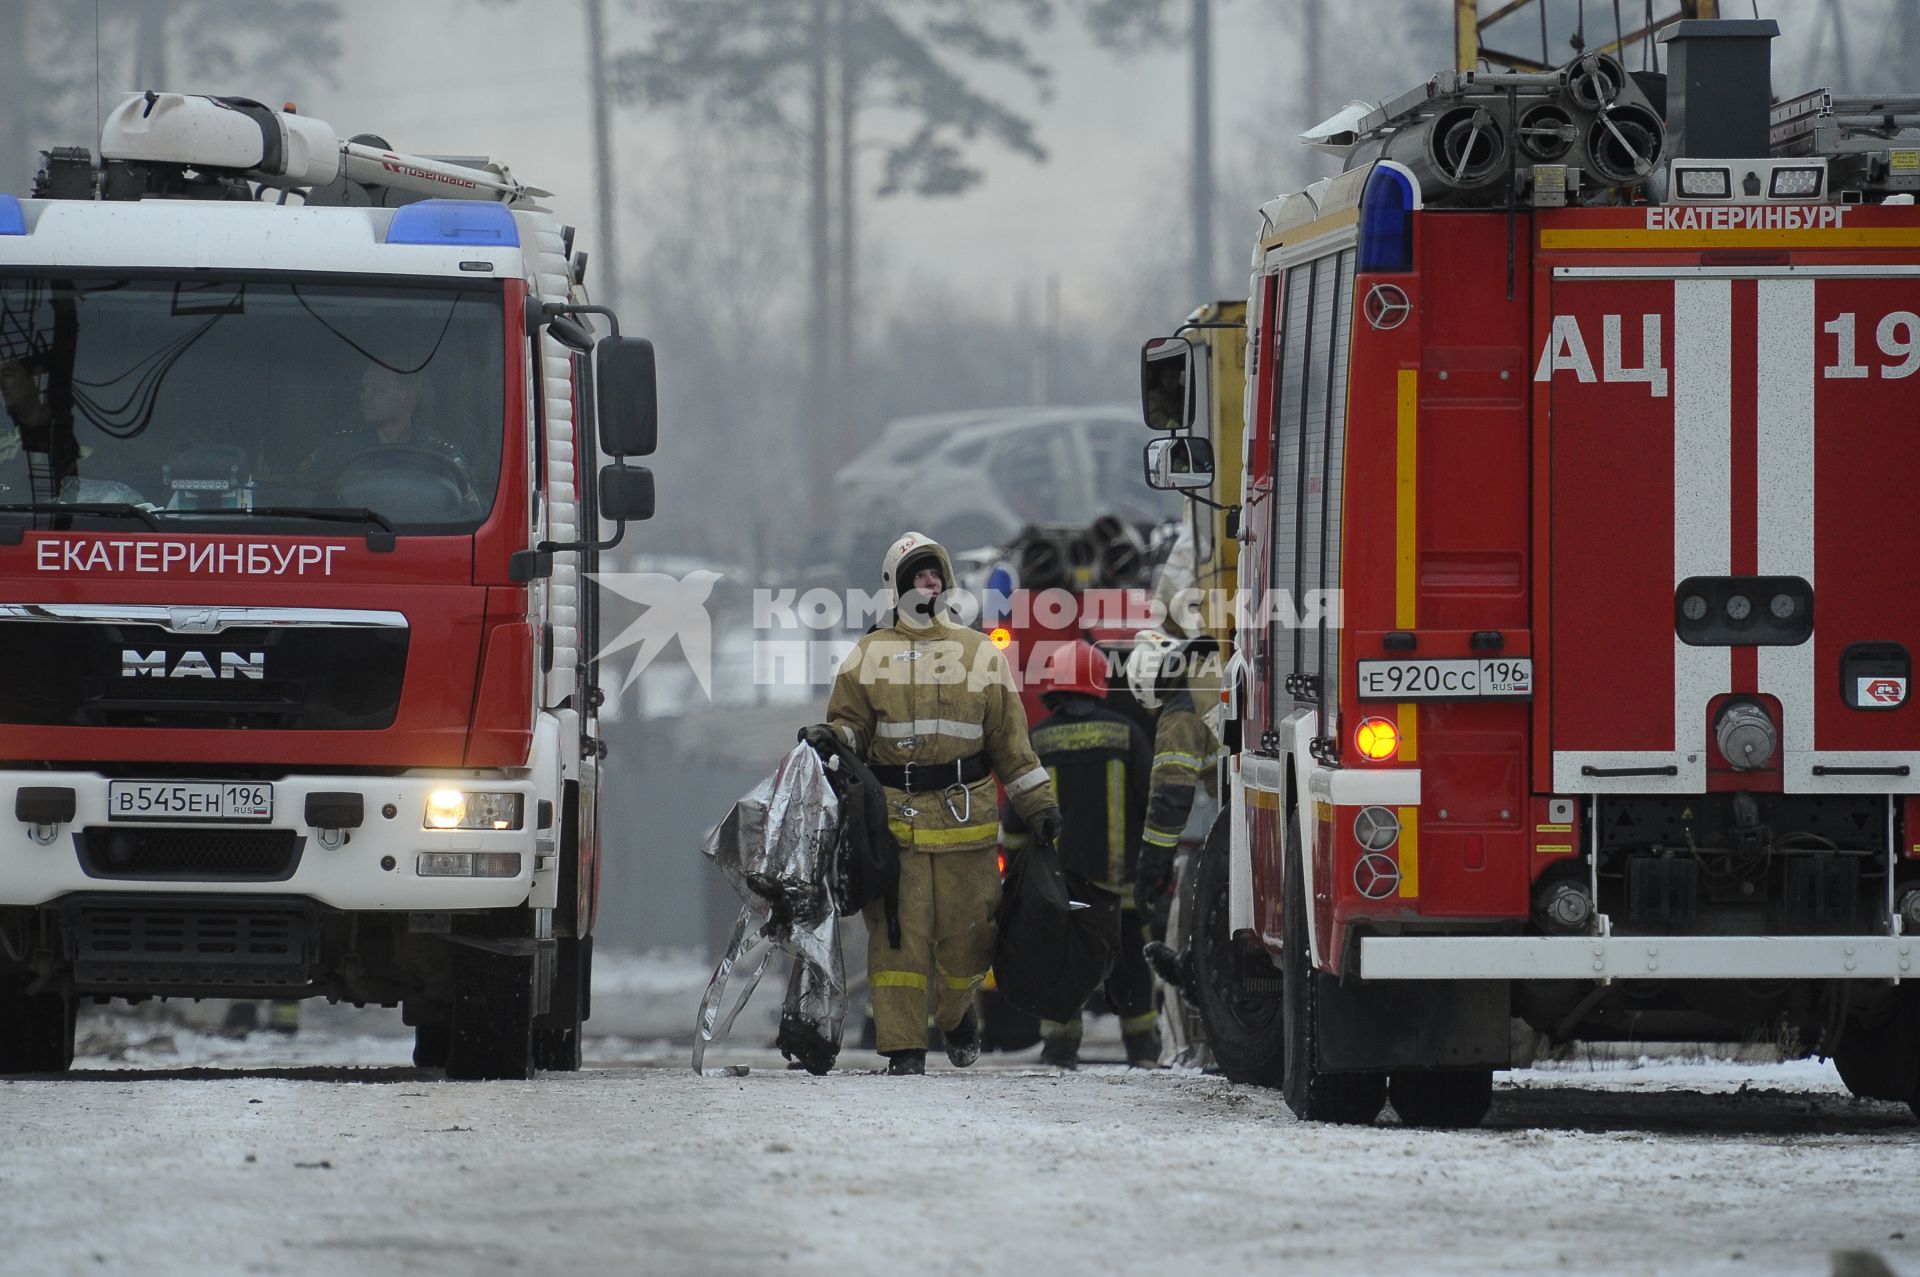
<point>930,694</point>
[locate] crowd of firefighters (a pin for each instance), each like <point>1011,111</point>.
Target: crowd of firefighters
<point>932,707</point>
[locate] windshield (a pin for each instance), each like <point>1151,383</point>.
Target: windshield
<point>182,398</point>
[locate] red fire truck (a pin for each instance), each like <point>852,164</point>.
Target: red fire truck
<point>1574,651</point>
<point>299,488</point>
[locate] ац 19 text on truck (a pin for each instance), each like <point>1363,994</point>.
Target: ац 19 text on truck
<point>299,490</point>
<point>1595,411</point>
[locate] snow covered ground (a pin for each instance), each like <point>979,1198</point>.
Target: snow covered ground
<point>174,1149</point>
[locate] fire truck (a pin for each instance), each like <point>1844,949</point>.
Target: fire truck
<point>1574,663</point>
<point>309,447</point>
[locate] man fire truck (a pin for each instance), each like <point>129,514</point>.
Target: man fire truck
<point>295,517</point>
<point>1575,655</point>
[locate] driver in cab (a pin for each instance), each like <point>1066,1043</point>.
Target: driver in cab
<point>389,402</point>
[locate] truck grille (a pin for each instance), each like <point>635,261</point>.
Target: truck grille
<point>129,673</point>
<point>173,855</point>
<point>191,944</point>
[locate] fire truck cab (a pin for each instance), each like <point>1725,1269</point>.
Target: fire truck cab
<point>299,491</point>
<point>1575,667</point>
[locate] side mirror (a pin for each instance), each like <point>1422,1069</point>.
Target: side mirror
<point>627,399</point>
<point>1183,463</point>
<point>626,493</point>
<point>1166,383</point>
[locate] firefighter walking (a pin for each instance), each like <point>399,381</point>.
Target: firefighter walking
<point>1099,760</point>
<point>1171,678</point>
<point>932,709</point>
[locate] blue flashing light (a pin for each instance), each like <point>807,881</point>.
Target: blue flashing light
<point>1386,221</point>
<point>454,222</point>
<point>13,218</point>
<point>999,601</point>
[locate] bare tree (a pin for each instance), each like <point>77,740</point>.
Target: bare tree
<point>834,80</point>
<point>62,64</point>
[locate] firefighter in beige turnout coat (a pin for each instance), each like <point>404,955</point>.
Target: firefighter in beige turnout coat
<point>931,707</point>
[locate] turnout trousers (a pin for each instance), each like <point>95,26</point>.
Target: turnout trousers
<point>947,933</point>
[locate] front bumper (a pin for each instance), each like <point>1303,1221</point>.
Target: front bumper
<point>1639,957</point>
<point>375,868</point>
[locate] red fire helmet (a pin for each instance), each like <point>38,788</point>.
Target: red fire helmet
<point>1078,666</point>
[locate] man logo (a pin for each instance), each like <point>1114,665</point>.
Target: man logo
<point>164,664</point>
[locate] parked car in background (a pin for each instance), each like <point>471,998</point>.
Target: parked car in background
<point>973,479</point>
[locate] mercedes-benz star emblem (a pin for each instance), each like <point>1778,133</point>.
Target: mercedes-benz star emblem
<point>1376,876</point>
<point>1386,306</point>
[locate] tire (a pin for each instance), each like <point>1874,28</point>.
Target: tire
<point>36,1031</point>
<point>1350,1098</point>
<point>1446,1099</point>
<point>1244,1028</point>
<point>1881,1061</point>
<point>431,1043</point>
<point>557,1034</point>
<point>492,1029</point>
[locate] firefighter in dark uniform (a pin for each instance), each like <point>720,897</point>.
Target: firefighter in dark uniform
<point>1177,680</point>
<point>1099,760</point>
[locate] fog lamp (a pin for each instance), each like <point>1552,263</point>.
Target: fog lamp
<point>468,864</point>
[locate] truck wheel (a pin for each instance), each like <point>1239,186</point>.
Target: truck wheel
<point>36,1032</point>
<point>492,1030</point>
<point>557,1034</point>
<point>431,1043</point>
<point>1243,1027</point>
<point>1314,1096</point>
<point>1443,1098</point>
<point>1881,1061</point>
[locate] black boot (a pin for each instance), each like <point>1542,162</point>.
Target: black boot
<point>906,1063</point>
<point>963,1040</point>
<point>1143,1047</point>
<point>1172,968</point>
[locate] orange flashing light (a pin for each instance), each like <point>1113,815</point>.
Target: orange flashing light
<point>1377,739</point>
<point>1000,636</point>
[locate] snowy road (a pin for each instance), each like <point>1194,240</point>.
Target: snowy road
<point>326,1154</point>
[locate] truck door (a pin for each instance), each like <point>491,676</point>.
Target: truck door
<point>1703,428</point>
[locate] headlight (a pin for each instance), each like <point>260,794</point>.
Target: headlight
<point>1795,183</point>
<point>1705,183</point>
<point>460,809</point>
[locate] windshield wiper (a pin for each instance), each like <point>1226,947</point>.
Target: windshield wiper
<point>104,509</point>
<point>379,542</point>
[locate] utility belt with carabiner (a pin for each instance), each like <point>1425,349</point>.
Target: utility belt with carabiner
<point>928,778</point>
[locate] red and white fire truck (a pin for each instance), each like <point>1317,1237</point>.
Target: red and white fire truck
<point>1574,665</point>
<point>299,491</point>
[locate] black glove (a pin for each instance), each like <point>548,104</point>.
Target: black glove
<point>1046,826</point>
<point>821,737</point>
<point>1153,880</point>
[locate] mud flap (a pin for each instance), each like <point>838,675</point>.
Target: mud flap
<point>1399,1024</point>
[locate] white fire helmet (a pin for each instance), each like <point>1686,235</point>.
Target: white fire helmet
<point>1153,652</point>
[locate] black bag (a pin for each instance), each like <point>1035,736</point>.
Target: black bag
<point>866,859</point>
<point>1051,956</point>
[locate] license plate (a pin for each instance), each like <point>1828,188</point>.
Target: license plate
<point>1505,677</point>
<point>189,800</point>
